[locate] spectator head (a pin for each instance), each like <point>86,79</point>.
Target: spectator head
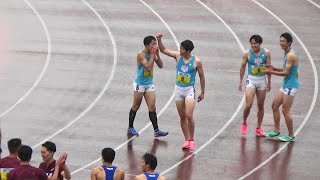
<point>25,153</point>
<point>149,162</point>
<point>108,155</point>
<point>14,145</point>
<point>47,151</point>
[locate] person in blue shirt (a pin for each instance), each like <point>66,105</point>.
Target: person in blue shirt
<point>186,68</point>
<point>257,83</point>
<point>107,171</point>
<point>143,85</point>
<point>148,165</point>
<point>289,88</point>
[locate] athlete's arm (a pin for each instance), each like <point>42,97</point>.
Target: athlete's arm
<point>66,172</point>
<point>142,60</point>
<point>55,173</point>
<point>202,79</point>
<point>119,174</point>
<point>243,68</point>
<point>166,51</point>
<point>161,178</point>
<point>158,60</point>
<point>268,75</point>
<point>94,173</point>
<point>290,61</point>
<point>140,177</point>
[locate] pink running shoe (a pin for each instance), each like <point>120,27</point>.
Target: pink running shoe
<point>192,146</point>
<point>186,145</point>
<point>244,129</point>
<point>259,132</point>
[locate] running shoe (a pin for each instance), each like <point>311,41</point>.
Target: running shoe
<point>186,145</point>
<point>286,138</point>
<point>192,146</point>
<point>132,131</point>
<point>272,134</point>
<point>259,132</point>
<point>244,129</point>
<point>160,133</point>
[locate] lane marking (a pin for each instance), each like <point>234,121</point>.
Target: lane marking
<point>45,67</point>
<point>103,90</point>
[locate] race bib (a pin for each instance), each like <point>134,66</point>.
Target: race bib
<point>147,73</point>
<point>4,173</point>
<point>257,70</point>
<point>183,78</point>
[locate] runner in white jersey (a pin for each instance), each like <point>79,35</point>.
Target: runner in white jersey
<point>256,84</point>
<point>187,67</point>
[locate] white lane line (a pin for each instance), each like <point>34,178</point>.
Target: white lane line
<point>161,111</point>
<point>315,95</point>
<point>44,69</point>
<point>234,114</point>
<point>115,54</point>
<point>317,5</point>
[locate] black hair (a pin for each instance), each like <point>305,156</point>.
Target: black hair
<point>25,153</point>
<point>147,40</point>
<point>14,145</point>
<point>187,45</point>
<point>288,37</point>
<point>256,38</point>
<point>151,160</point>
<point>108,154</point>
<point>50,146</point>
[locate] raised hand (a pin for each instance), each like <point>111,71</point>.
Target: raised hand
<point>159,36</point>
<point>62,159</point>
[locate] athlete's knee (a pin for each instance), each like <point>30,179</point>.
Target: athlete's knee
<point>135,107</point>
<point>285,111</point>
<point>248,105</point>
<point>260,107</point>
<point>275,106</point>
<point>189,116</point>
<point>183,116</point>
<point>152,108</point>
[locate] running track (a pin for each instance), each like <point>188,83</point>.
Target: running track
<point>67,68</point>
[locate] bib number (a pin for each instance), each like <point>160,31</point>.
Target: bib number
<point>183,78</point>
<point>257,70</point>
<point>147,73</point>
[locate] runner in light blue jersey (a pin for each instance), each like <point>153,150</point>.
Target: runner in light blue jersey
<point>256,84</point>
<point>143,85</point>
<point>290,86</point>
<point>187,67</point>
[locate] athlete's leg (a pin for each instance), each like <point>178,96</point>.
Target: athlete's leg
<point>286,106</point>
<point>150,99</point>
<point>180,104</point>
<point>261,96</point>
<point>189,107</point>
<point>275,108</point>
<point>250,93</point>
<point>137,99</point>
